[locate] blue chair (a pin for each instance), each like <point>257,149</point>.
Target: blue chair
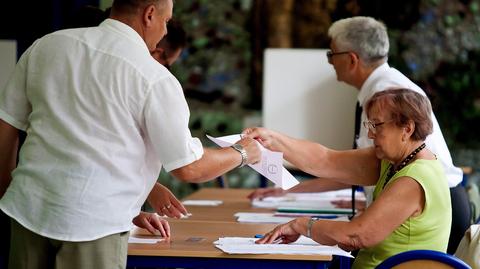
<point>423,259</point>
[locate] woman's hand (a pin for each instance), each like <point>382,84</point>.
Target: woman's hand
<point>287,233</point>
<point>165,203</point>
<point>264,136</point>
<point>266,192</point>
<point>152,223</point>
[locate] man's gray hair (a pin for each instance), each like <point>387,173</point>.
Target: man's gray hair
<point>363,35</point>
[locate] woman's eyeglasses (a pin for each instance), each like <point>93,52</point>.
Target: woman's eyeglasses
<point>372,126</point>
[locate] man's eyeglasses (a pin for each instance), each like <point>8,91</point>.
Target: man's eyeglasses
<point>330,54</point>
<point>373,126</point>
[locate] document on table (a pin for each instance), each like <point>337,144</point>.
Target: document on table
<point>249,217</point>
<point>318,200</point>
<point>202,202</point>
<point>138,240</point>
<point>303,246</point>
<point>142,239</point>
<point>278,218</point>
<point>270,165</point>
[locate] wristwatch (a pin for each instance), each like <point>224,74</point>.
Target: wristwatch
<point>243,152</point>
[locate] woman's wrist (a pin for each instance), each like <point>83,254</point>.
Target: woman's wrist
<point>300,225</point>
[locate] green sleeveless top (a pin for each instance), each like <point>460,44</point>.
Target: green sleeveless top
<point>429,230</point>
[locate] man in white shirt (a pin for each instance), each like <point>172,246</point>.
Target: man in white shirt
<point>359,53</point>
<point>102,117</point>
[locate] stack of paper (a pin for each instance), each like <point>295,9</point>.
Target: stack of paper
<point>308,203</point>
<point>304,246</point>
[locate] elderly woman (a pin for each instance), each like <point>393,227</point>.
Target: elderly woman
<point>411,208</point>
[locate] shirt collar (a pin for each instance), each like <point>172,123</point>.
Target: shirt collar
<point>364,90</point>
<point>125,30</point>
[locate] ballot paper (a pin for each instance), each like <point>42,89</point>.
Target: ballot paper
<point>202,202</point>
<point>135,238</point>
<point>270,165</point>
<point>138,240</point>
<point>251,217</point>
<point>304,245</point>
<point>181,216</point>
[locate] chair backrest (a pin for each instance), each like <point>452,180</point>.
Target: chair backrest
<point>423,259</point>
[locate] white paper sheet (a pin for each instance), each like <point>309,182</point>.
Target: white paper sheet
<point>474,229</point>
<point>138,240</point>
<point>270,165</point>
<point>181,216</point>
<point>249,217</point>
<point>307,200</point>
<point>202,202</point>
<point>304,246</point>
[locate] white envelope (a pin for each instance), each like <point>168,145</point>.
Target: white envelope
<point>270,165</point>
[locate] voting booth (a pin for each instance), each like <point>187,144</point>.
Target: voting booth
<point>303,99</point>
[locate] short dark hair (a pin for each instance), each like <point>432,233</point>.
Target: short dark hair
<point>404,105</point>
<point>176,37</point>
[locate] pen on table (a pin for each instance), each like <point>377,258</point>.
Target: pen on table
<point>306,215</point>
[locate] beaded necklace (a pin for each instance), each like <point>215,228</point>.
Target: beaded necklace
<point>405,161</point>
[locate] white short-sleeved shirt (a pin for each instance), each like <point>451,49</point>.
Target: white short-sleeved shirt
<point>102,117</point>
<point>386,77</point>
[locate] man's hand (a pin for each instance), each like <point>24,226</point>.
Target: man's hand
<point>152,223</point>
<point>165,203</point>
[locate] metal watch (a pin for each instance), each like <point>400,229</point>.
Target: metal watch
<point>243,152</point>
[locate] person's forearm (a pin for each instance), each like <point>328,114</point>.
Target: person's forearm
<point>8,155</point>
<point>305,155</point>
<point>339,233</point>
<point>214,163</point>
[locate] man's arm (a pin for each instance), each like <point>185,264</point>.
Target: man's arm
<point>216,162</point>
<point>8,154</point>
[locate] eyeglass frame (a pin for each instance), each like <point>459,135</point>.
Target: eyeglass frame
<point>373,126</point>
<point>330,54</point>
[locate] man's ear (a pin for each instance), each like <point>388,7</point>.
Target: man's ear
<point>148,15</point>
<point>354,59</point>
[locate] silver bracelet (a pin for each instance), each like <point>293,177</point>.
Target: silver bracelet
<point>309,227</point>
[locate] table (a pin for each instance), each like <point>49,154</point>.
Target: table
<point>191,244</point>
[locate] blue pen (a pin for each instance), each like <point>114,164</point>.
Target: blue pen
<point>259,236</point>
<point>326,217</point>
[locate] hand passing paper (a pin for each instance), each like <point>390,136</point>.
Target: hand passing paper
<point>270,165</point>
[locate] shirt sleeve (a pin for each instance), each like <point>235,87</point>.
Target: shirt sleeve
<point>166,119</point>
<point>14,105</point>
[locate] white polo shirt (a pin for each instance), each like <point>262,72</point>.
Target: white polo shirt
<point>386,77</point>
<point>101,117</point>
